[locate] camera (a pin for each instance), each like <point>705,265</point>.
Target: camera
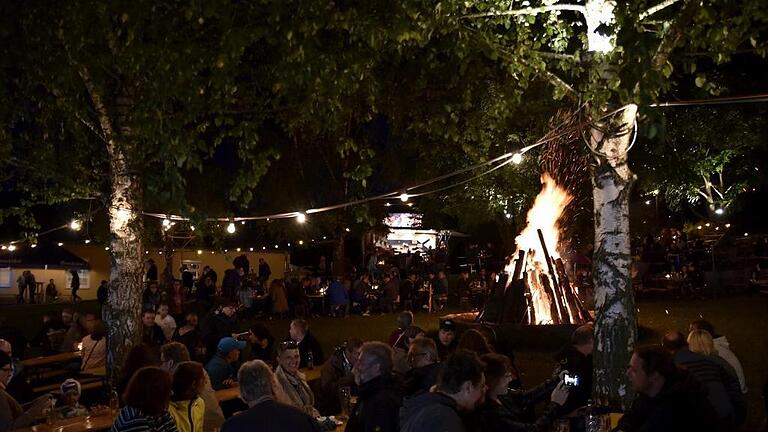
<point>571,380</point>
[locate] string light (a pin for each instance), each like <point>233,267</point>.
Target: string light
<point>11,247</point>
<point>251,249</point>
<point>192,227</point>
<point>87,241</point>
<point>75,225</point>
<point>404,197</point>
<point>727,225</point>
<point>33,245</point>
<point>60,244</point>
<point>106,248</point>
<point>517,158</point>
<point>3,247</point>
<point>301,242</point>
<point>301,218</point>
<point>166,223</point>
<point>719,211</point>
<point>238,249</point>
<point>231,228</point>
<point>199,251</point>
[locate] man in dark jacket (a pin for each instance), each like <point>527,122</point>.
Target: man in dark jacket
<point>576,358</point>
<point>378,398</point>
<point>261,344</point>
<point>422,357</point>
<point>460,387</point>
<point>265,414</point>
<point>217,324</point>
<point>669,399</point>
<point>337,373</point>
<point>722,386</point>
<point>299,333</point>
<point>445,339</point>
<point>152,335</point>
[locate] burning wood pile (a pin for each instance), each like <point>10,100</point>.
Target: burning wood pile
<point>538,289</point>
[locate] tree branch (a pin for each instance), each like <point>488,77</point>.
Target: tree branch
<point>98,103</point>
<point>529,11</point>
<point>659,7</point>
<point>676,32</point>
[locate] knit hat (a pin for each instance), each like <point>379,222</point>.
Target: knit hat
<point>70,385</point>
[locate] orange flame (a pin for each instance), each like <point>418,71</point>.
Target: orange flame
<point>544,215</point>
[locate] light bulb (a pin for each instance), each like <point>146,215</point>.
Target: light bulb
<point>166,222</point>
<point>199,252</point>
<point>87,241</point>
<point>517,158</point>
<point>719,211</point>
<point>11,248</point>
<point>75,225</point>
<point>404,197</point>
<point>231,228</point>
<point>301,218</point>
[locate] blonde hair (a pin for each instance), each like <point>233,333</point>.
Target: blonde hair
<point>700,341</point>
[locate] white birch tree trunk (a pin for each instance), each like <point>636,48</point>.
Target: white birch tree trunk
<point>615,318</point>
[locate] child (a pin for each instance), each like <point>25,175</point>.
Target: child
<point>69,403</point>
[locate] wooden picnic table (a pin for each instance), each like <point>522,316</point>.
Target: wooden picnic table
<point>234,392</point>
<point>64,357</point>
<point>76,424</point>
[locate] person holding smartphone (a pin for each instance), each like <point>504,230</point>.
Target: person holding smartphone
<point>12,415</point>
<point>504,410</point>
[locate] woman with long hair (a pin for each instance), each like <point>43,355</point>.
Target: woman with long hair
<point>146,403</point>
<point>503,411</point>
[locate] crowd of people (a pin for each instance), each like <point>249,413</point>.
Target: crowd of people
<point>193,346</point>
<point>413,381</point>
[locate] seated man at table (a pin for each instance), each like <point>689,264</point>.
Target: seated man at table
<point>18,384</point>
<point>12,416</point>
<point>294,384</point>
<point>222,368</point>
<point>379,398</point>
<point>307,343</point>
<point>337,373</point>
<point>265,414</point>
<point>152,335</point>
<point>669,398</point>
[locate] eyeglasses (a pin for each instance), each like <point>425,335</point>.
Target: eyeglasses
<point>289,345</point>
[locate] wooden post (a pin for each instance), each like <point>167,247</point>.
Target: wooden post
<point>552,275</point>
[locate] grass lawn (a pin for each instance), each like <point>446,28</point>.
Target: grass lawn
<point>743,319</point>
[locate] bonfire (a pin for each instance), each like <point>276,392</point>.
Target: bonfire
<point>540,288</point>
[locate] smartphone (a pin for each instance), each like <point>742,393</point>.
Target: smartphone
<point>571,380</point>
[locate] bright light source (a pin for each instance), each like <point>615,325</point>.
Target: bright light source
<point>11,248</point>
<point>238,249</point>
<point>517,158</point>
<point>242,222</point>
<point>166,222</point>
<point>34,245</point>
<point>387,204</point>
<point>250,249</point>
<point>192,227</point>
<point>324,237</point>
<point>87,241</point>
<point>301,242</point>
<point>60,244</point>
<point>719,211</point>
<point>346,229</point>
<point>289,245</point>
<point>727,225</point>
<point>746,234</point>
<point>263,248</point>
<point>404,197</point>
<point>107,248</point>
<point>275,246</point>
<point>706,224</point>
<point>231,228</point>
<point>75,225</point>
<point>717,228</point>
<point>146,252</point>
<point>199,251</point>
<point>160,253</point>
<point>647,202</point>
<point>698,227</point>
<point>507,215</point>
<point>410,204</point>
<point>301,218</point>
